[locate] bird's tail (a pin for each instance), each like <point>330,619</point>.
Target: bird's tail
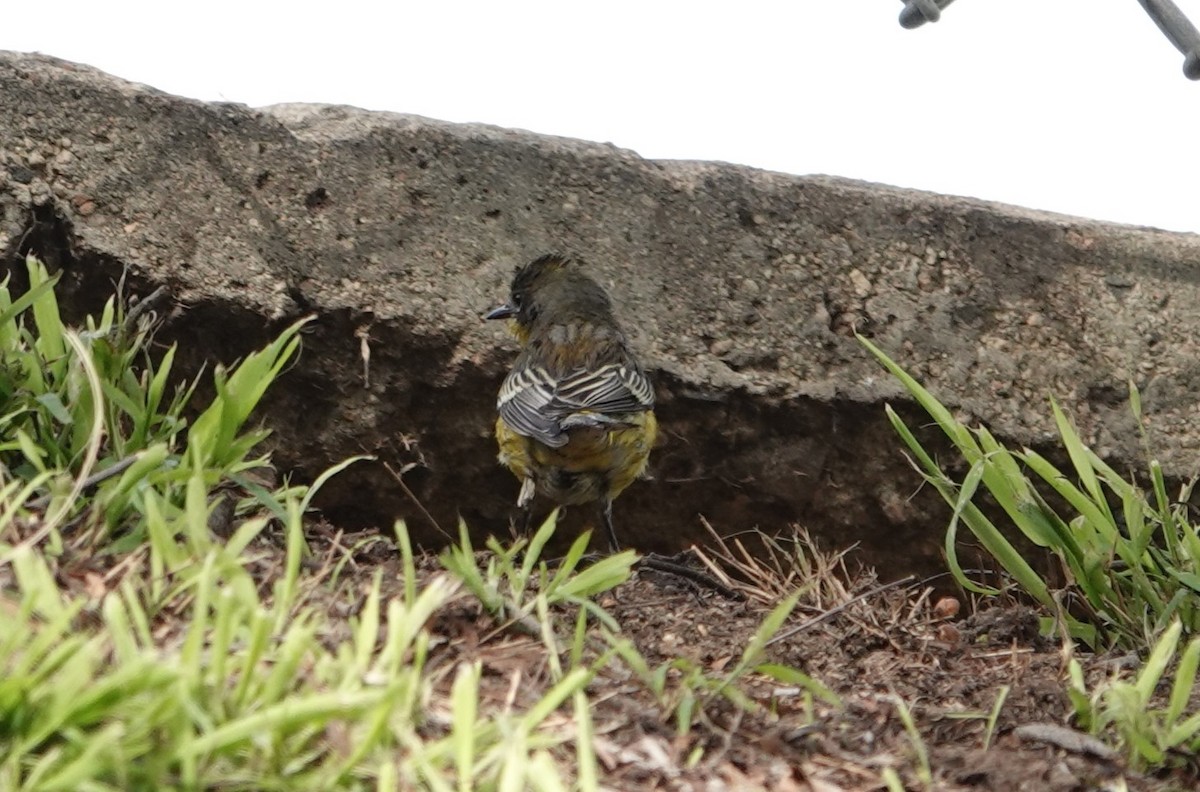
<point>593,420</point>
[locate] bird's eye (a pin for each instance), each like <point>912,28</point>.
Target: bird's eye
<point>516,301</point>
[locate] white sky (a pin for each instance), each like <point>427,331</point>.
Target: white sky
<point>1076,106</point>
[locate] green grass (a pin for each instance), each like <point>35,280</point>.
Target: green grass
<point>1154,731</point>
<point>140,650</point>
<point>94,414</point>
<point>1130,556</point>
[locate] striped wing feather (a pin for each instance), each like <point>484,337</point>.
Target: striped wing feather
<point>535,404</point>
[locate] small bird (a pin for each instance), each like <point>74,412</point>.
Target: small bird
<point>577,411</point>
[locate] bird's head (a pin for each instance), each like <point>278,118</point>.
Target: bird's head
<point>549,286</point>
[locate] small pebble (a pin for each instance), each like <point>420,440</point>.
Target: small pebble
<point>946,608</point>
<point>721,347</point>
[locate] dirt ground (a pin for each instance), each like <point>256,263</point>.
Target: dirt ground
<point>897,645</point>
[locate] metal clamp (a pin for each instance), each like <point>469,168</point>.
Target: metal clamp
<point>918,12</point>
<point>1170,20</point>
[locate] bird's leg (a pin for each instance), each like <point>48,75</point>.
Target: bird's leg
<point>525,504</point>
<point>519,523</point>
<point>606,516</point>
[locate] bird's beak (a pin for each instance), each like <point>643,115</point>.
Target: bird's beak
<point>501,312</point>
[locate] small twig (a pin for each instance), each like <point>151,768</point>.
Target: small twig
<point>1067,739</point>
<point>94,479</point>
<point>151,302</point>
<point>660,564</point>
<point>716,758</point>
<point>416,501</point>
<point>657,563</point>
<point>904,581</point>
<point>524,625</point>
<point>364,350</point>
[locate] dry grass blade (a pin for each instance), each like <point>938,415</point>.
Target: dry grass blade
<point>412,496</point>
<point>829,614</point>
<point>777,569</point>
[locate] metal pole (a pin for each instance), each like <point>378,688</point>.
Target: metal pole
<point>1179,30</point>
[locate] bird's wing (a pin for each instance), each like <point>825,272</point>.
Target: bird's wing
<point>612,389</point>
<point>535,404</point>
<point>525,405</point>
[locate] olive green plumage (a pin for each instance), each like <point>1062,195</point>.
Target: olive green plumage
<point>576,417</point>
